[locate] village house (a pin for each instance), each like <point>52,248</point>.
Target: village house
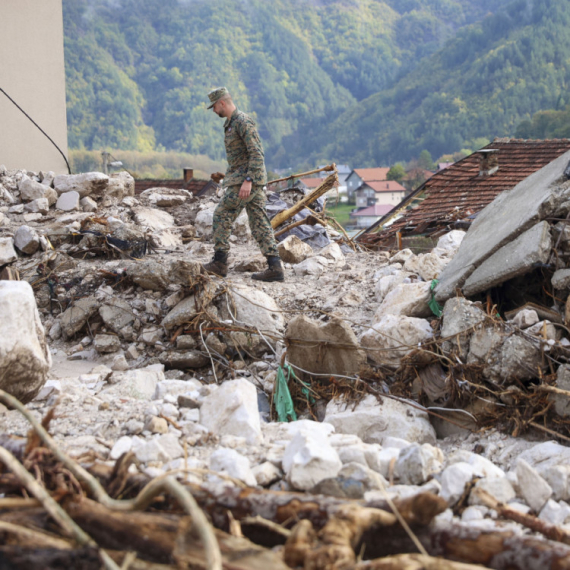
<point>452,197</point>
<point>381,193</point>
<point>361,175</point>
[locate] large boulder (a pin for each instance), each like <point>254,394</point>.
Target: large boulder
<point>392,338</point>
<point>408,300</point>
<point>373,421</point>
<point>25,358</point>
<point>232,410</point>
<point>87,184</point>
<point>294,250</point>
<point>309,459</point>
<point>330,349</point>
<point>158,275</point>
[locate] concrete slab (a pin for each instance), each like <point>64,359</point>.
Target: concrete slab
<point>512,260</point>
<point>503,220</point>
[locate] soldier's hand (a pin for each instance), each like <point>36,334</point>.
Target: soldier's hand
<point>245,190</point>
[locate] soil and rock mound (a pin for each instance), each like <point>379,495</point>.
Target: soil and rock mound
<point>358,411</point>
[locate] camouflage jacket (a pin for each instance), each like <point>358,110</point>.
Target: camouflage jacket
<point>244,151</point>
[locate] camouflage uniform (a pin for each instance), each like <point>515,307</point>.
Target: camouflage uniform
<point>245,158</point>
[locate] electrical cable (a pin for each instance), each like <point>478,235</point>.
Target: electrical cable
<point>39,128</point>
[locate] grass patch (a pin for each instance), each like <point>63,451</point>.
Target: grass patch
<point>341,213</point>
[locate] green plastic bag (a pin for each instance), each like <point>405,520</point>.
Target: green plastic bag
<point>282,400</point>
<point>435,307</point>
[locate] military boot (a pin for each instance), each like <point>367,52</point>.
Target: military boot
<point>274,272</point>
<point>219,264</point>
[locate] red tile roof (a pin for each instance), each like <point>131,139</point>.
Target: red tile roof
<point>376,210</point>
<point>312,182</point>
<point>459,191</point>
<point>386,186</point>
<point>371,174</point>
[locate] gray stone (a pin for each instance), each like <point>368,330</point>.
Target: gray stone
<point>107,343</point>
<point>136,384</point>
<point>7,252</point>
<point>508,216</point>
<point>117,314</point>
<point>27,240</point>
<point>266,474</point>
<point>459,319</point>
<point>68,201</point>
<point>31,189</point>
<point>561,279</point>
<point>526,318</point>
<point>330,349</point>
<point>417,463</point>
<point>512,260</point>
<point>407,299</point>
<point>184,360</point>
<point>294,250</point>
<point>86,184</point>
<point>76,316</point>
<point>38,206</point>
<point>158,275</point>
<point>562,403</point>
<point>182,313</point>
<point>25,358</point>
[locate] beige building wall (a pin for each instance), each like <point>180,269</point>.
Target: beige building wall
<point>32,73</point>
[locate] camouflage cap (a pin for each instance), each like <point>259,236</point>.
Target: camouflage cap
<point>216,94</point>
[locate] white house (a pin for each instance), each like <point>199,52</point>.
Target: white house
<point>386,192</point>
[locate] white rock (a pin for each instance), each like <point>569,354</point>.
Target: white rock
<point>40,205</point>
<point>334,254</point>
<point>151,451</point>
<point>407,299</point>
<point>555,513</point>
<point>526,318</point>
<point>474,513</point>
<point>153,219</point>
<point>533,488</point>
<point>396,442</point>
<point>266,474</point>
<point>170,411</point>
<point>294,250</point>
<point>7,252</point>
<point>427,265</point>
<point>391,338</point>
<point>175,388</point>
<point>255,308</point>
<point>204,222</point>
<point>68,201</point>
<point>309,427</point>
<point>417,463</point>
<point>169,442</point>
<point>86,184</point>
<point>382,460</point>
<point>482,467</point>
<point>25,358</point>
<point>558,477</point>
<point>232,409</point>
<point>308,459</point>
<point>312,266</point>
<point>497,487</point>
<point>50,388</point>
<point>370,479</point>
<point>122,445</point>
<point>136,384</point>
<point>453,481</point>
<point>31,189</point>
<point>87,204</point>
<point>234,464</point>
<point>373,421</point>
<point>27,240</point>
<point>402,256</point>
<point>451,241</point>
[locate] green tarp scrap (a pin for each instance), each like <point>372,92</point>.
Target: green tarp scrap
<point>435,307</point>
<point>282,400</point>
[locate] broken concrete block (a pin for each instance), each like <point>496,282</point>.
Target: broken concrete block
<point>408,300</point>
<point>68,201</point>
<point>76,316</point>
<point>107,343</point>
<point>86,184</point>
<point>533,488</point>
<point>512,260</point>
<point>7,252</point>
<point>27,240</point>
<point>232,410</point>
<point>393,337</point>
<point>509,215</point>
<point>327,349</point>
<point>294,250</point>
<point>25,358</point>
<point>308,460</point>
<point>427,265</point>
<point>373,421</point>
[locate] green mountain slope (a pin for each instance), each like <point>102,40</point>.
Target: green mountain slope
<point>482,83</point>
<point>138,70</point>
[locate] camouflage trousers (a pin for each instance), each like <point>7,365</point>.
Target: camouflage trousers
<point>231,206</point>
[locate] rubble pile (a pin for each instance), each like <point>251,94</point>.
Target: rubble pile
<point>144,369</point>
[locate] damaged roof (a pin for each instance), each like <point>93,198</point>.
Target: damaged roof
<point>466,187</point>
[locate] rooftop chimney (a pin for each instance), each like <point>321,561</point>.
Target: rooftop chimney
<point>188,175</point>
<point>488,161</point>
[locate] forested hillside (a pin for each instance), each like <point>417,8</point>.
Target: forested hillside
<point>482,83</point>
<point>362,80</point>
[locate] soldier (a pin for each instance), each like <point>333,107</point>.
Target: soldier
<point>244,183</point>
